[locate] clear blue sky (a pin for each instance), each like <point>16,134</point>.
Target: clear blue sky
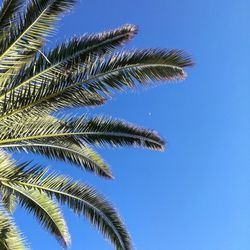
<point>196,195</point>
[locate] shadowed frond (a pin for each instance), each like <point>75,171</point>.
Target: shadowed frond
<point>71,150</point>
<point>106,131</point>
<point>27,37</point>
<point>10,238</point>
<point>82,199</point>
<point>68,57</point>
<point>39,203</point>
<point>44,209</point>
<point>74,97</point>
<point>74,153</point>
<point>103,75</point>
<point>98,131</point>
<point>9,12</point>
<point>124,69</point>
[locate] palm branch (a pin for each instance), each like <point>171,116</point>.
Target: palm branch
<point>10,237</point>
<point>36,190</point>
<point>35,84</point>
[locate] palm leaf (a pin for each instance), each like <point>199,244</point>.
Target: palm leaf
<point>10,238</point>
<point>97,130</point>
<point>9,12</point>
<point>38,203</point>
<point>71,150</point>
<point>58,62</point>
<point>82,199</point>
<point>117,72</point>
<point>67,57</point>
<point>80,155</point>
<point>44,209</point>
<point>26,38</point>
<point>75,97</point>
<point>123,70</point>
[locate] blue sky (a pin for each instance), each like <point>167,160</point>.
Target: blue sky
<point>194,196</point>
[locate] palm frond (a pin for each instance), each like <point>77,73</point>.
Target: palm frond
<point>44,209</point>
<point>28,36</point>
<point>62,61</point>
<point>10,237</point>
<point>106,131</point>
<point>67,57</point>
<point>74,97</point>
<point>9,12</point>
<point>70,55</point>
<point>70,149</point>
<point>75,153</point>
<point>103,75</point>
<point>82,199</point>
<point>38,203</point>
<point>98,130</point>
<point>125,69</point>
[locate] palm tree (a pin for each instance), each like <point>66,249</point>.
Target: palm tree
<point>35,84</point>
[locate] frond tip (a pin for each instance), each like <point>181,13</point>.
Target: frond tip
<point>125,69</point>
<point>103,131</point>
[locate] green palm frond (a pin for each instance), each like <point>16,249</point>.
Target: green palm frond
<point>80,155</point>
<point>39,203</point>
<point>9,12</point>
<point>103,131</point>
<point>125,69</point>
<point>44,209</point>
<point>71,150</point>
<point>27,37</point>
<point>10,237</point>
<point>75,97</point>
<point>101,76</point>
<point>98,130</point>
<point>68,57</point>
<point>82,199</point>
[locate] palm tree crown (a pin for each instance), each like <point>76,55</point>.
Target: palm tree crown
<point>35,84</point>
